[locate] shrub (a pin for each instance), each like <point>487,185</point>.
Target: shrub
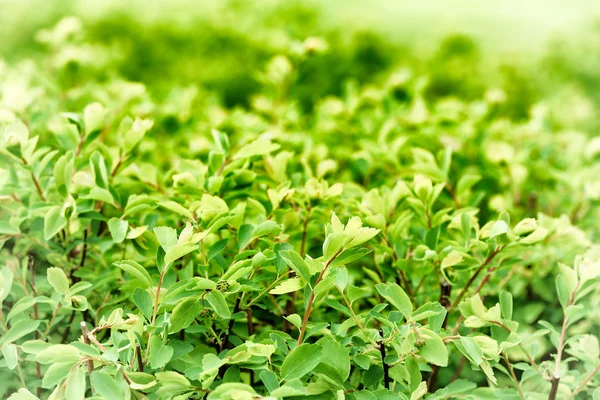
<point>382,244</point>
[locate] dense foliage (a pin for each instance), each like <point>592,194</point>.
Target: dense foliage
<point>321,218</point>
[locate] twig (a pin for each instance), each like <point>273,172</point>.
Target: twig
<point>138,353</point>
<point>67,331</point>
<point>386,368</point>
<point>514,376</point>
<point>290,304</point>
<point>86,340</point>
<point>35,181</point>
<point>311,299</point>
<point>225,340</point>
<point>155,309</point>
<point>529,357</point>
<point>453,195</point>
<point>117,166</point>
<point>560,348</point>
<point>583,383</point>
<point>261,294</point>
<point>38,368</point>
<point>405,281</point>
<point>462,293</point>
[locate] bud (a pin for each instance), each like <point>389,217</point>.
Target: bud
<point>423,186</point>
<point>525,226</point>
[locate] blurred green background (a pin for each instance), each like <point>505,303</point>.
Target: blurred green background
<point>539,49</point>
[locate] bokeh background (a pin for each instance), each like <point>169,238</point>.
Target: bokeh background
<point>539,49</point>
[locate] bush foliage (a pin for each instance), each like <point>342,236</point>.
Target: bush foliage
<point>313,219</point>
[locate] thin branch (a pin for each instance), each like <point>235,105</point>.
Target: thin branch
<point>138,354</point>
<point>67,331</point>
<point>36,183</point>
<point>38,368</point>
<point>583,383</point>
<point>386,368</point>
<point>560,347</point>
<point>403,277</point>
<point>311,299</point>
<point>514,376</point>
<point>464,290</point>
<point>86,340</point>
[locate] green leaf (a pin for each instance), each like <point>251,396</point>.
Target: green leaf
<point>269,379</point>
<point>393,293</point>
<point>296,263</point>
<point>58,353</point>
<point>268,227</point>
<point>22,394</point>
<point>349,255</point>
<point>118,229</point>
<point>167,237</point>
<point>184,314</point>
<point>54,222</point>
<point>93,117</point>
<point>143,301</point>
<point>259,147</point>
<point>218,303</point>
<point>434,350</point>
<point>100,194</point>
<point>99,169</point>
<point>56,373</point>
<point>216,249</point>
<point>336,360</point>
<point>333,243</point>
<point>76,385</point>
<point>63,172</point>
<point>301,360</point>
<point>473,349</point>
<point>7,229</point>
<point>562,290</point>
<point>9,351</point>
<point>135,269</point>
<point>160,354</point>
<point>136,133</point>
<point>362,235</point>
<point>58,280</point>
<point>176,208</point>
<point>106,386</point>
<point>18,330</point>
<point>176,252</point>
<point>232,391</point>
<point>427,310</point>
<point>291,285</point>
<point>500,227</point>
<point>506,304</point>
